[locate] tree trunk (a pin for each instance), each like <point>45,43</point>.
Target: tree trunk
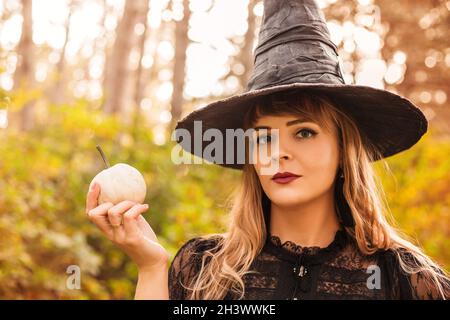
<point>24,74</point>
<point>246,54</point>
<point>58,94</point>
<point>138,79</point>
<point>138,87</point>
<point>116,77</point>
<point>181,44</point>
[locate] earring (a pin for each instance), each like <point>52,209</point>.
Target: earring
<point>343,209</point>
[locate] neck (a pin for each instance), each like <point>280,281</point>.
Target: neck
<point>313,223</point>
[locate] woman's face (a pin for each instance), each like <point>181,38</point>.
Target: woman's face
<point>305,149</point>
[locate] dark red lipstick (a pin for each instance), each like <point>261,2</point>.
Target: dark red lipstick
<point>284,177</point>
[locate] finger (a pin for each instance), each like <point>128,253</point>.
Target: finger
<point>101,209</point>
<point>99,216</point>
<point>115,213</point>
<point>92,197</point>
<point>130,219</point>
<point>146,229</point>
<point>115,216</point>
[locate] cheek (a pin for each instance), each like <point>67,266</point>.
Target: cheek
<point>261,156</point>
<point>319,160</point>
<point>265,180</point>
<point>319,154</point>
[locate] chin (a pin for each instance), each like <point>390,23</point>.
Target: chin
<point>285,198</point>
<point>287,203</point>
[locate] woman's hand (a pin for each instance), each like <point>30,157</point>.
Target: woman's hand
<point>124,225</point>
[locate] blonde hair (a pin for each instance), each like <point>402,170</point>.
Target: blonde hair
<point>231,258</point>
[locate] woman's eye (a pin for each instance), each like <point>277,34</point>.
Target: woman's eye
<point>263,139</point>
<point>306,133</point>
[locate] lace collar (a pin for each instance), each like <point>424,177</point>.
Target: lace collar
<point>292,251</point>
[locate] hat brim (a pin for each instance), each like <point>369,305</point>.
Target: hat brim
<point>390,122</point>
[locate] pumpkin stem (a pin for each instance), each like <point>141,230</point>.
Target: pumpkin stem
<point>103,156</point>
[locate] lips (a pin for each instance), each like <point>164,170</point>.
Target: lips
<point>284,177</point>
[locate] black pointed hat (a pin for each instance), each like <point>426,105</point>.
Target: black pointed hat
<point>295,53</point>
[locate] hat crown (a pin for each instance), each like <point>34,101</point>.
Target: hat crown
<point>294,46</point>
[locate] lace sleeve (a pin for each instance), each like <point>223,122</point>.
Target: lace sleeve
<point>422,289</point>
<point>186,265</point>
<point>182,270</point>
<point>418,286</point>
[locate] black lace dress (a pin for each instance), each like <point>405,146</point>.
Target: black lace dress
<point>289,271</point>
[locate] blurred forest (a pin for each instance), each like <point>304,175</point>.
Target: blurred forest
<point>120,73</point>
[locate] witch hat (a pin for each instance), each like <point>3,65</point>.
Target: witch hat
<point>295,53</point>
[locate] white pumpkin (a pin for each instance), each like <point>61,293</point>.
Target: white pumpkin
<point>120,182</point>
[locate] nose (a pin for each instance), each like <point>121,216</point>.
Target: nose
<point>278,153</point>
<point>281,156</point>
<point>282,153</point>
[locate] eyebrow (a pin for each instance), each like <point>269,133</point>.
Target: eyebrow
<point>289,123</point>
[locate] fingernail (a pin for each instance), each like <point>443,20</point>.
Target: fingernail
<point>145,206</point>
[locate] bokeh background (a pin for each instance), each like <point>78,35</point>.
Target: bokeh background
<point>120,73</point>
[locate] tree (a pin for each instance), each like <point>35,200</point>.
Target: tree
<point>116,74</point>
<point>246,54</point>
<point>179,72</point>
<point>58,93</point>
<point>422,34</point>
<point>138,84</point>
<point>24,74</point>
